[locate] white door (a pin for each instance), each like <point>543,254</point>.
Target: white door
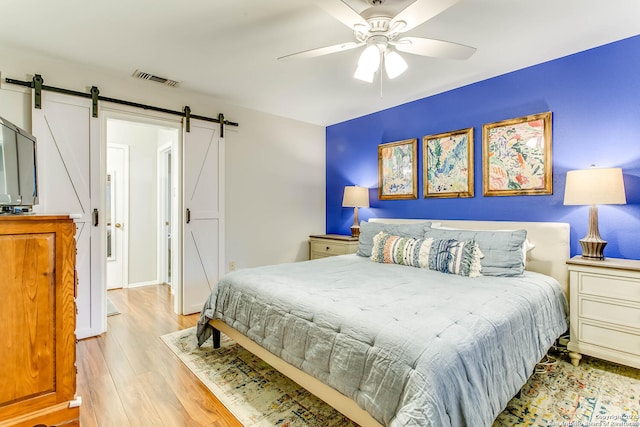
<point>203,203</point>
<point>117,183</point>
<point>70,181</point>
<point>165,211</point>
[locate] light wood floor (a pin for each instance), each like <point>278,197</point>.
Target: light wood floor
<point>129,377</point>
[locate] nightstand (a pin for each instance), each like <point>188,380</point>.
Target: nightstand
<point>605,310</point>
<point>324,245</point>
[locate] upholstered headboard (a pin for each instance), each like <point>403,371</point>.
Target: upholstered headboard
<point>551,240</point>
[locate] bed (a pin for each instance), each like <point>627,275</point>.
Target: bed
<point>394,345</point>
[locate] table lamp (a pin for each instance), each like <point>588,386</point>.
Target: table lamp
<point>594,186</point>
<point>355,197</point>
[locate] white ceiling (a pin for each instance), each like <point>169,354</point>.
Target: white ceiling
<point>229,48</point>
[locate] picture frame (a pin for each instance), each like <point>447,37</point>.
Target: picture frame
<point>516,156</point>
<point>448,164</point>
<point>398,170</point>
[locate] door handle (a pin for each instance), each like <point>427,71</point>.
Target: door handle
<point>94,217</point>
<point>188,215</point>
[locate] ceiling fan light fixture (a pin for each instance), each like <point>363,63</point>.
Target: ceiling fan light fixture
<point>368,64</point>
<point>364,74</point>
<point>394,64</point>
<point>370,58</point>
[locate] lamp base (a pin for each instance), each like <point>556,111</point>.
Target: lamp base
<point>593,248</point>
<point>355,230</point>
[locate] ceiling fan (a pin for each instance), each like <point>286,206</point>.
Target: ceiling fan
<point>379,27</point>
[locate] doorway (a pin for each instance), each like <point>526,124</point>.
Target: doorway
<point>139,201</point>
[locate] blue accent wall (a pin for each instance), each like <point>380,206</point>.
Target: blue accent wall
<point>594,97</point>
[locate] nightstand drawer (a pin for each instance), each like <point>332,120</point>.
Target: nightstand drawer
<point>325,245</point>
<point>610,286</point>
<point>611,338</point>
<point>329,248</point>
<point>606,311</point>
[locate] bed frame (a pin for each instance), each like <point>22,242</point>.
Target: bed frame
<point>549,256</point>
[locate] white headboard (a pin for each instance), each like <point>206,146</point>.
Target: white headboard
<point>551,240</point>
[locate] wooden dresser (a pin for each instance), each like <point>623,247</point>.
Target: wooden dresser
<point>37,332</point>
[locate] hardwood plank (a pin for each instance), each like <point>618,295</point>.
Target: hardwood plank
<point>128,376</point>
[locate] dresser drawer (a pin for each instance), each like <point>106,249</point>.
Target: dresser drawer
<point>606,311</point>
<point>611,338</point>
<point>610,286</point>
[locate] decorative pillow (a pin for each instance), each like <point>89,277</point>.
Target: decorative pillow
<point>446,256</point>
<point>527,246</point>
<point>503,250</point>
<point>369,229</point>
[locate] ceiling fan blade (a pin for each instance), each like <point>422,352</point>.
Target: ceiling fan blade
<point>312,53</point>
<point>434,48</point>
<point>421,11</point>
<point>342,13</point>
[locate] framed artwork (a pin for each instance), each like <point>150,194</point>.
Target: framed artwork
<point>398,170</point>
<point>448,164</point>
<point>516,156</point>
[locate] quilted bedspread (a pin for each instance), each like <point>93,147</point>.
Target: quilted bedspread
<point>413,347</point>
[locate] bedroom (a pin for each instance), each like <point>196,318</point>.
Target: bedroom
<point>294,211</point>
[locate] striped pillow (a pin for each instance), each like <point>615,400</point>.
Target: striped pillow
<point>446,256</point>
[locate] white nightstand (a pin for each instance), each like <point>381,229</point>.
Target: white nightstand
<point>605,310</point>
<point>325,245</point>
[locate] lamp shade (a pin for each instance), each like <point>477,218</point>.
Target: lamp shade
<point>355,196</point>
<point>394,64</point>
<point>595,186</point>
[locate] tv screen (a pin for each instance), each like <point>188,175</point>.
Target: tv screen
<point>18,167</point>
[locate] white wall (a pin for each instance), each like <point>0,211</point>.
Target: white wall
<point>275,167</point>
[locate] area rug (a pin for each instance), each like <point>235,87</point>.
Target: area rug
<point>594,393</point>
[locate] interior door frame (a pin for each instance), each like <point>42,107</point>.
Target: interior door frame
<point>133,114</point>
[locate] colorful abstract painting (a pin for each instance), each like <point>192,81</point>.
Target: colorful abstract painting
<point>517,156</point>
<point>448,160</point>
<point>397,170</point>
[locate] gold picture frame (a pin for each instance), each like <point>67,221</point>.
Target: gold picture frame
<point>448,164</point>
<point>398,170</point>
<point>516,156</point>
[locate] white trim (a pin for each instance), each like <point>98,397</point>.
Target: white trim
<point>139,284</point>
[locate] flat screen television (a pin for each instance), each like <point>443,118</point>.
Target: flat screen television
<point>18,169</point>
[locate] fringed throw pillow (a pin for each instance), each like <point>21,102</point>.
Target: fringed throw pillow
<point>447,256</point>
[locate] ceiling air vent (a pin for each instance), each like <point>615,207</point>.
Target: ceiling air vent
<point>147,76</point>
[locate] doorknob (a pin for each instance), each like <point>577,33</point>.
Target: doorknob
<point>118,225</point>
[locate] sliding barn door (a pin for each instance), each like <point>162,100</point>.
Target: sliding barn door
<point>70,182</point>
<point>203,201</point>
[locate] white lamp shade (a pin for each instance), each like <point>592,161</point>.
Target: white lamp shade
<point>394,64</point>
<point>364,74</point>
<point>355,196</point>
<point>595,186</point>
<point>370,58</point>
<point>368,63</point>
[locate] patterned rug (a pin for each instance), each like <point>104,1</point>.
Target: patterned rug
<point>596,393</point>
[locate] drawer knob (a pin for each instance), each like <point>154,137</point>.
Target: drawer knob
<point>327,248</point>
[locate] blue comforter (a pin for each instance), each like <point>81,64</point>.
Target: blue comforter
<point>413,347</point>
